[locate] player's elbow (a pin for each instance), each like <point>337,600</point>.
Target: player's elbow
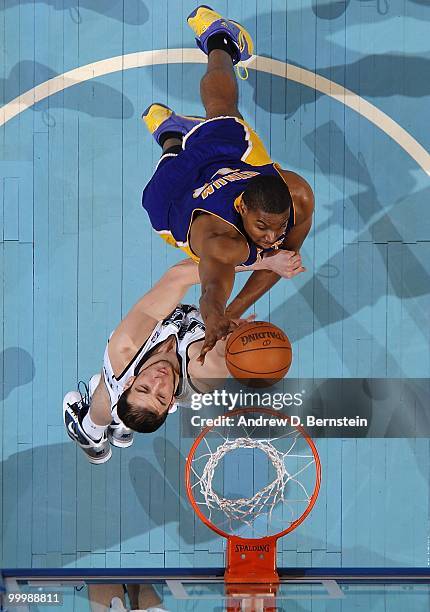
<point>184,273</point>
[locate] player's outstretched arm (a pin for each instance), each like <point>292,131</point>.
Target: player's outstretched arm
<point>217,272</point>
<point>169,291</point>
<point>218,260</point>
<point>157,303</point>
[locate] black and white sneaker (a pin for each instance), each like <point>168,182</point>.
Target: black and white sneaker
<point>119,435</point>
<point>75,407</point>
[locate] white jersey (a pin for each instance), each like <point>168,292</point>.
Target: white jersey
<point>186,324</point>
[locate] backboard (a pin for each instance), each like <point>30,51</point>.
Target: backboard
<point>203,590</point>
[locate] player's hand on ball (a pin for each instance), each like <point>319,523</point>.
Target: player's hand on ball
<point>217,328</point>
<point>233,315</point>
<point>239,321</point>
<point>285,263</point>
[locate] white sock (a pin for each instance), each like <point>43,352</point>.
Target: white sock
<point>92,430</point>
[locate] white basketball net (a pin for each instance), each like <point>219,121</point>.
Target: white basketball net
<point>247,510</point>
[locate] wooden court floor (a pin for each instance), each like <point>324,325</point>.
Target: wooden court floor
<point>77,251</point>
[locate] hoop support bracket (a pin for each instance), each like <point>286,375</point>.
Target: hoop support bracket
<point>251,560</point>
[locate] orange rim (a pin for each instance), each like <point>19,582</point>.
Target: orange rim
<point>295,523</point>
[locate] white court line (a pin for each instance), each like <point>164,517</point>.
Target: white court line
<point>195,56</point>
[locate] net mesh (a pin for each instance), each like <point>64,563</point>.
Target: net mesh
<point>289,485</point>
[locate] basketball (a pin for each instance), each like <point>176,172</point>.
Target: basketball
<point>258,351</point>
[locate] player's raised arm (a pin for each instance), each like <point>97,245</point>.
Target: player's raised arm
<point>169,291</point>
<point>220,249</point>
<point>158,302</point>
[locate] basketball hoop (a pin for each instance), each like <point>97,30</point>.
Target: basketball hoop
<point>275,478</point>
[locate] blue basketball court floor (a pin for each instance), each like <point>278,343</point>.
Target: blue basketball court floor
<point>339,93</point>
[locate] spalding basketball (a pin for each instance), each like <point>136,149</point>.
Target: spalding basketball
<point>258,351</point>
